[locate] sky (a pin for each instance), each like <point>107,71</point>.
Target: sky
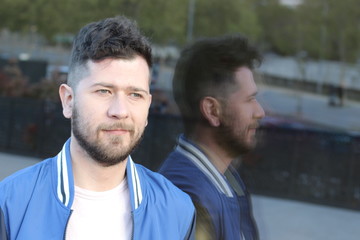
<point>291,2</point>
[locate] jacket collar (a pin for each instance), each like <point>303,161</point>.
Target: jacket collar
<point>65,179</point>
<point>192,152</point>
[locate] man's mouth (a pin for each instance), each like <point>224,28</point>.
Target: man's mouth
<point>116,131</point>
<point>254,126</point>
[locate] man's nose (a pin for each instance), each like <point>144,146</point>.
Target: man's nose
<point>259,112</point>
<point>118,107</point>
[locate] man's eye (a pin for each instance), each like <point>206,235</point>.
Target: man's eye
<point>103,91</point>
<point>136,95</point>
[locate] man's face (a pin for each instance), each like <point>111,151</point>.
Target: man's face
<point>240,116</point>
<point>110,108</point>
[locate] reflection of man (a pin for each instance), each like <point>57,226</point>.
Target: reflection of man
<point>92,189</point>
<point>214,88</point>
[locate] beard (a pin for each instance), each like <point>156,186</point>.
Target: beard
<point>106,154</point>
<point>235,139</point>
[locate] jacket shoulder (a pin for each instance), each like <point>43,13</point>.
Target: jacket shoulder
<point>160,187</point>
<point>189,178</point>
<point>21,182</point>
<point>167,201</point>
<point>185,174</point>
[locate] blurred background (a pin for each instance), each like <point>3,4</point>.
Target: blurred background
<point>304,174</point>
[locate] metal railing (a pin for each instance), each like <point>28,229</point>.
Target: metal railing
<point>315,166</point>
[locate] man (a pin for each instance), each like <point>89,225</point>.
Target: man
<point>92,189</point>
<point>214,88</point>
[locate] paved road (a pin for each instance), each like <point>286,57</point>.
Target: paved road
<point>277,219</point>
<point>311,108</point>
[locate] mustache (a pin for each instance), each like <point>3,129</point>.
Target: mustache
<point>255,125</point>
<point>115,126</point>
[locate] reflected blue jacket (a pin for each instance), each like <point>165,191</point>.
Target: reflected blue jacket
<point>228,206</point>
<point>35,203</point>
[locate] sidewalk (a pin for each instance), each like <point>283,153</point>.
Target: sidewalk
<point>280,219</point>
<point>10,163</point>
<point>277,219</point>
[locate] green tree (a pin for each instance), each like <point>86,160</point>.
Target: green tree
<point>213,18</point>
<point>324,29</point>
<point>281,28</point>
<point>164,21</point>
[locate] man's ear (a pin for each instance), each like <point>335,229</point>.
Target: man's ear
<point>67,99</point>
<point>210,109</point>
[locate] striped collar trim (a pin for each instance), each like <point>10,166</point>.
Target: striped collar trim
<point>63,176</point>
<point>63,186</point>
<point>136,186</point>
<point>205,166</point>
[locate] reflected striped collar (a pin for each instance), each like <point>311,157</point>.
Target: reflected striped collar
<point>195,155</point>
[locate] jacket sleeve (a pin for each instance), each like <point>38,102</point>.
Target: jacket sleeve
<point>3,235</point>
<point>191,231</point>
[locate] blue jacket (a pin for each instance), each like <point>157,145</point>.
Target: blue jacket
<point>226,201</point>
<point>35,203</point>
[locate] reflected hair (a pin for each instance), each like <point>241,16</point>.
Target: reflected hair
<point>117,38</point>
<point>207,68</point>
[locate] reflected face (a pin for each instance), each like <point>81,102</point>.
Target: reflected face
<point>240,116</point>
<point>110,109</point>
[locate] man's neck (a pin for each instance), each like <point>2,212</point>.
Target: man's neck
<point>216,154</point>
<point>90,175</point>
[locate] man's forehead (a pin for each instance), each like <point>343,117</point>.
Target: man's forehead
<point>245,81</point>
<point>113,70</point>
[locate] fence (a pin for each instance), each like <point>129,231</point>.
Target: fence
<point>313,166</point>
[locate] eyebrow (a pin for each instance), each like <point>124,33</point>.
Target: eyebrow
<point>103,85</point>
<point>253,94</point>
<point>136,89</point>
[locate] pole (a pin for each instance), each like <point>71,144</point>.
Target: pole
<point>190,25</point>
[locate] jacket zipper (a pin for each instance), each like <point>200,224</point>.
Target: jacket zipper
<point>133,226</point>
<point>71,211</point>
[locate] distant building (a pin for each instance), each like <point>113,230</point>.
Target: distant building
<point>291,3</point>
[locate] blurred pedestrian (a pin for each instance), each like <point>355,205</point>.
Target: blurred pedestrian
<point>12,69</point>
<point>92,189</point>
<point>213,86</point>
<point>12,81</point>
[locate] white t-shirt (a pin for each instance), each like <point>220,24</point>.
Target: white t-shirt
<point>101,215</point>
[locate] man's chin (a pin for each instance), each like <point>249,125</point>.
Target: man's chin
<point>248,147</point>
<point>251,146</point>
<point>115,150</point>
<point>113,162</point>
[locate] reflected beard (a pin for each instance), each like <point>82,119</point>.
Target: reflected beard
<point>94,150</point>
<point>234,143</point>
